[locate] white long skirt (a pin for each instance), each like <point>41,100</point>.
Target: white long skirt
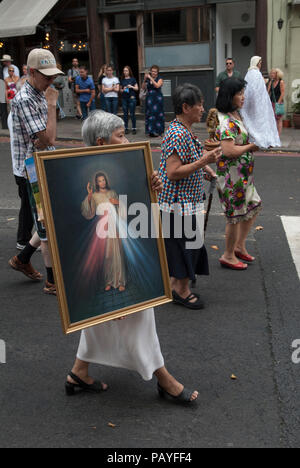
<point>129,344</point>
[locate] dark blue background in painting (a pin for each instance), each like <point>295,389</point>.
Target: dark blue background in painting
<point>67,181</point>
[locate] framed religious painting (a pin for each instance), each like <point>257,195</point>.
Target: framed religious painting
<point>104,232</point>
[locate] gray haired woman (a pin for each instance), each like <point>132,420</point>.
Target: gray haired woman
<point>182,167</point>
<point>131,343</point>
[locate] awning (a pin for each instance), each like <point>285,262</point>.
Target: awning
<point>21,17</point>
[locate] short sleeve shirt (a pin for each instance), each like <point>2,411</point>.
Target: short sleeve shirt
<point>187,194</point>
<point>128,93</point>
<point>108,83</point>
<point>29,117</point>
<point>223,76</point>
<point>85,84</point>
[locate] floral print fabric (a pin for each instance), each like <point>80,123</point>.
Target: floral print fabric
<point>155,115</point>
<point>238,195</point>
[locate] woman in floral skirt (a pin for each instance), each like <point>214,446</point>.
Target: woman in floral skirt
<point>155,115</point>
<point>239,198</point>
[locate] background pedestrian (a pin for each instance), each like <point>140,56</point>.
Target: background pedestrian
<point>102,74</point>
<point>85,88</point>
<point>23,78</point>
<point>6,63</point>
<point>59,85</point>
<point>276,90</point>
<point>155,115</point>
<point>73,73</point>
<point>111,89</point>
<point>229,72</point>
<point>11,87</point>
<point>129,88</point>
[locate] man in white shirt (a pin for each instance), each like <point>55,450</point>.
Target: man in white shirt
<point>6,63</point>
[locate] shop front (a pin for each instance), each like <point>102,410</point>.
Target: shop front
<point>188,39</point>
<point>178,40</point>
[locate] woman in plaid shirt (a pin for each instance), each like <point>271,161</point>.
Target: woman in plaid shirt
<point>182,199</point>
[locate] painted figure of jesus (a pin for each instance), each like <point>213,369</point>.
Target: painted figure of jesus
<point>103,203</point>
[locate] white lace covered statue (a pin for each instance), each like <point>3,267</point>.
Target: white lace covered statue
<point>257,113</point>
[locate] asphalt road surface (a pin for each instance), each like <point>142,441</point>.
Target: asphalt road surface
<point>247,329</point>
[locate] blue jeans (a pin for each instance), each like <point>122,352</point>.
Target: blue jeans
<point>85,110</point>
<point>112,104</point>
<point>102,102</point>
<point>129,105</point>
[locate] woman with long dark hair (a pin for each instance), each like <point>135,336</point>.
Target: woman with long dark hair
<point>129,88</point>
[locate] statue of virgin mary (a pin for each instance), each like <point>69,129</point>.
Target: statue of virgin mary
<point>257,113</point>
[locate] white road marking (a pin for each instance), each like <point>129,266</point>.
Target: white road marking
<point>291,226</point>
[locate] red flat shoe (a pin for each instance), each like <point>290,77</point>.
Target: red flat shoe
<point>245,258</point>
<point>238,266</point>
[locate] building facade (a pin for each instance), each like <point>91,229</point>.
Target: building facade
<point>283,45</point>
<point>188,39</point>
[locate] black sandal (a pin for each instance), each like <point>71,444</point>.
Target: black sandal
<point>96,387</point>
<point>184,397</point>
<point>186,302</point>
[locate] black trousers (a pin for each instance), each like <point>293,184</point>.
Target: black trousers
<point>25,216</point>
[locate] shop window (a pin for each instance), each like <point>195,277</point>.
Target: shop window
<point>122,21</point>
<point>177,26</point>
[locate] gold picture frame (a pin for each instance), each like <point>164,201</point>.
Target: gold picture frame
<point>74,242</point>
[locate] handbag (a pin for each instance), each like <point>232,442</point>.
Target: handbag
<point>279,108</point>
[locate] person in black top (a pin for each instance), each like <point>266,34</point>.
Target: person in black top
<point>129,88</point>
<point>102,74</point>
<point>276,90</point>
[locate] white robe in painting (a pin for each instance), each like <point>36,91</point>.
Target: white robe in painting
<point>114,261</point>
<point>258,115</point>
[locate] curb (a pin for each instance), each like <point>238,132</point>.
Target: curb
<point>158,145</point>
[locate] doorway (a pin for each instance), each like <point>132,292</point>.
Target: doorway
<point>243,48</point>
<point>124,51</point>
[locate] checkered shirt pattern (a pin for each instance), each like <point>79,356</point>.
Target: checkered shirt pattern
<point>29,116</point>
<point>187,194</point>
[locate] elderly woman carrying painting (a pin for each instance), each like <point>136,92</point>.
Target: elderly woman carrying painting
<point>131,343</point>
<point>183,163</point>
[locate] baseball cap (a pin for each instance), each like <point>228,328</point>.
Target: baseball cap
<point>43,61</point>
